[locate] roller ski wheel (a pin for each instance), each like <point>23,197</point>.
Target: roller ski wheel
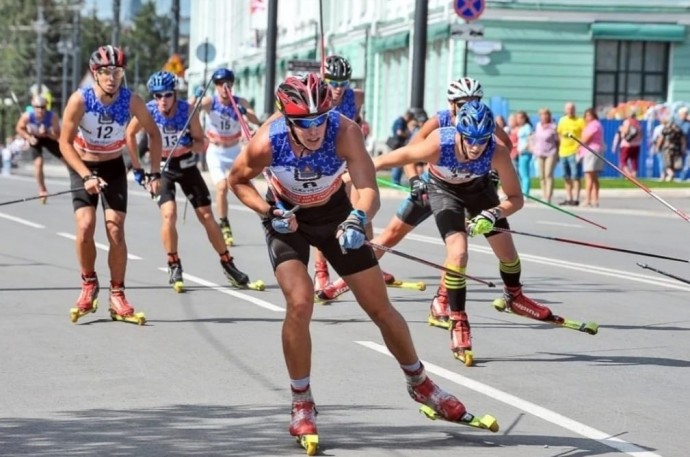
<point>420,286</point>
<point>310,443</point>
<point>176,278</point>
<point>439,321</point>
<point>258,285</point>
<point>485,422</point>
<point>75,313</point>
<point>501,305</point>
<point>136,318</point>
<point>178,287</point>
<point>465,356</point>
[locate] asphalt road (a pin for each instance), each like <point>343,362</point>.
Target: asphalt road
<point>206,377</point>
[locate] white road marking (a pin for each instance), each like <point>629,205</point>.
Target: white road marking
<point>645,279</point>
<point>224,290</point>
<point>101,246</point>
<point>19,220</point>
<point>560,224</point>
<point>538,411</point>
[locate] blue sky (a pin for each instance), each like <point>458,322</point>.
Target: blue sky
<point>105,7</point>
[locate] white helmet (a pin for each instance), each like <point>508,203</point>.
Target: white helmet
<point>464,88</point>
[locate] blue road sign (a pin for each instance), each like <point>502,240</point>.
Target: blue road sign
<point>469,10</point>
<point>206,52</point>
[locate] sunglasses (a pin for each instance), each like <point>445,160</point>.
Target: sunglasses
<point>336,84</point>
<point>111,71</point>
<point>309,122</point>
<point>159,95</point>
<point>39,106</point>
<point>476,141</point>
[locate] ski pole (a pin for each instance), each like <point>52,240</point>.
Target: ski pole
<point>677,278</point>
<point>197,105</point>
<point>380,247</point>
<point>385,182</point>
<point>564,211</point>
<point>240,119</point>
<point>21,200</point>
<point>591,245</point>
<point>632,179</point>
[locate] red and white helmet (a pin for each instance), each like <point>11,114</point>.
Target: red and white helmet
<point>304,95</point>
<point>107,56</point>
<point>464,88</point>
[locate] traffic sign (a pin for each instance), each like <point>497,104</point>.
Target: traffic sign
<point>312,66</point>
<point>469,10</point>
<point>467,32</point>
<point>206,52</point>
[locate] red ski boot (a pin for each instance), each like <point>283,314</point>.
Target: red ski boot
<point>120,309</point>
<point>429,394</point>
<point>461,337</point>
<point>438,312</point>
<point>303,425</point>
<point>332,290</point>
<point>388,278</point>
<point>321,277</point>
<point>515,301</point>
<point>88,299</point>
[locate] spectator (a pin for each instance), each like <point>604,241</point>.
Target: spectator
<point>524,134</point>
<point>657,157</point>
<point>672,144</point>
<point>400,137</point>
<point>593,137</point>
<point>628,140</point>
<point>684,124</point>
<point>567,151</point>
<point>545,149</point>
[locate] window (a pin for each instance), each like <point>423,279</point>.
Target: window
<point>630,70</point>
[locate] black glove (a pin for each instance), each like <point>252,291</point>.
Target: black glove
<point>418,189</point>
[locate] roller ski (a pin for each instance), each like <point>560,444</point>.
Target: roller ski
<point>226,230</point>
<point>239,279</point>
<point>485,422</point>
<point>514,301</point>
<point>461,338</point>
<point>438,312</point>
<point>176,280</point>
<point>303,426</point>
<point>121,310</point>
<point>87,302</point>
<point>390,281</point>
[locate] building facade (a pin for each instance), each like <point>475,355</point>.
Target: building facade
<point>532,54</point>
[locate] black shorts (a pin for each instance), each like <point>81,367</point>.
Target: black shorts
<point>114,173</point>
<point>413,212</point>
<point>451,203</point>
<point>183,171</point>
<point>317,227</point>
<point>45,143</point>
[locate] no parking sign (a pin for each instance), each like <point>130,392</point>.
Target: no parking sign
<point>469,10</point>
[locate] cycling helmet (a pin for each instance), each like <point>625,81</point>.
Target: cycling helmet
<point>303,96</point>
<point>161,81</point>
<point>464,88</point>
<point>338,68</point>
<point>223,75</point>
<point>107,56</point>
<point>475,120</point>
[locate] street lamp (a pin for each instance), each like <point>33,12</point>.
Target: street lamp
<point>41,27</point>
<point>66,48</point>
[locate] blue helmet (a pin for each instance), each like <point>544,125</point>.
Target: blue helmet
<point>223,74</point>
<point>161,81</point>
<point>475,120</point>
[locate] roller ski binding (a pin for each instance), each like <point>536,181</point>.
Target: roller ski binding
<point>121,310</point>
<point>514,301</point>
<point>303,426</point>
<point>485,422</point>
<point>239,279</point>
<point>461,338</point>
<point>176,280</point>
<point>438,312</point>
<point>390,281</point>
<point>227,232</point>
<point>87,302</point>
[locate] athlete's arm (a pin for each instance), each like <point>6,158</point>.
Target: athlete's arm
<point>503,137</point>
<point>426,151</point>
<point>54,133</point>
<point>73,113</point>
<point>359,99</point>
<point>510,184</point>
<point>429,126</point>
<point>205,104</point>
<point>350,146</point>
<point>249,112</point>
<point>197,134</point>
<point>131,138</point>
<point>139,110</point>
<point>21,127</point>
<point>249,164</point>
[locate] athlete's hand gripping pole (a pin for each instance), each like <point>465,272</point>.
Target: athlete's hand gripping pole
<point>238,113</point>
<point>428,263</point>
<point>183,131</point>
<point>55,194</point>
<point>632,179</point>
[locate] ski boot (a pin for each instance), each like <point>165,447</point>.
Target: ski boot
<point>234,275</point>
<point>332,291</point>
<point>461,338</point>
<point>88,299</point>
<point>433,397</point>
<point>303,425</point>
<point>44,196</point>
<point>175,271</point>
<point>438,311</point>
<point>120,309</point>
<point>321,277</point>
<point>227,232</point>
<point>515,301</point>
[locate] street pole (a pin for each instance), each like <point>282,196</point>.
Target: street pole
<point>464,56</point>
<point>76,47</point>
<point>175,35</point>
<point>419,53</point>
<point>116,23</point>
<point>271,45</point>
<point>41,27</point>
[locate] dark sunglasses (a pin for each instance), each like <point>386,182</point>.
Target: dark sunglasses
<point>39,106</point>
<point>160,95</point>
<point>336,84</point>
<point>309,122</point>
<point>476,141</point>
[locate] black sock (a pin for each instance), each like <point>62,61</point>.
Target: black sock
<point>456,287</point>
<point>510,273</point>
